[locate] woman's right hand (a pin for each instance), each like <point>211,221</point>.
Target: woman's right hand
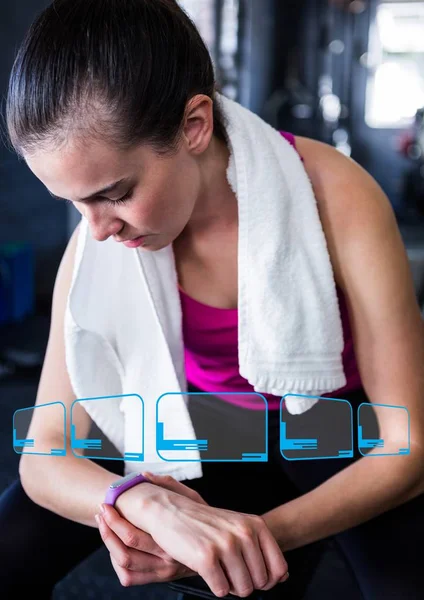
<point>135,556</point>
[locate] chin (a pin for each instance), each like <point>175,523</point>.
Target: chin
<point>154,246</point>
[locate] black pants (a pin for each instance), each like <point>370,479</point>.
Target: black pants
<point>38,548</point>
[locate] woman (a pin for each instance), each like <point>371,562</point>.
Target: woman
<point>119,96</point>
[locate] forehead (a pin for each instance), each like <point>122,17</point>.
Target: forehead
<point>78,169</point>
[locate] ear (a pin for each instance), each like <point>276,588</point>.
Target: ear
<point>198,123</point>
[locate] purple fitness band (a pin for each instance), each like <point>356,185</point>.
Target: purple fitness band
<point>122,485</point>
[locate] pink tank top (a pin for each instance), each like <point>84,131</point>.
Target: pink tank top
<point>211,351</point>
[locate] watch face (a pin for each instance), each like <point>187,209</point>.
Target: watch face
<point>123,480</point>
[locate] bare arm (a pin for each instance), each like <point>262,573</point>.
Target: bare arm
<point>74,488</point>
<point>69,486</point>
<point>371,267</point>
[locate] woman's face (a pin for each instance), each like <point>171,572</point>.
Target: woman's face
<point>152,196</point>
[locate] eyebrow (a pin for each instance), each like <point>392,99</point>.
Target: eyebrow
<point>105,190</point>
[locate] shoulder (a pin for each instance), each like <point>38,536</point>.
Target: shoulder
<point>355,213</point>
<point>64,275</point>
<point>371,266</point>
<point>339,182</point>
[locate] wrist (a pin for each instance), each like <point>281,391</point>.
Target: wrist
<point>139,505</point>
<point>284,526</point>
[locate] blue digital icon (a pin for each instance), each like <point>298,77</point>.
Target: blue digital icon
<point>324,431</point>
<point>215,438</point>
<point>370,443</point>
<point>54,412</point>
<point>97,445</point>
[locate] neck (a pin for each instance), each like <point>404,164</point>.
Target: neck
<point>216,205</point>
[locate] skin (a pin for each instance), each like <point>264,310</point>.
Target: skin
<point>202,205</point>
<point>201,199</point>
<point>370,266</point>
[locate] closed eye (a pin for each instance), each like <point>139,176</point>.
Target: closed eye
<point>122,200</point>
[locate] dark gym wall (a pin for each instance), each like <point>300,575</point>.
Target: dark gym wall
<point>285,52</point>
<point>257,39</point>
<point>27,212</point>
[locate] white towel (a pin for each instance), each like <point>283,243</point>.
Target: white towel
<point>124,324</point>
<point>290,330</point>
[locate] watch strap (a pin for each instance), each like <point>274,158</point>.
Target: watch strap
<point>122,485</point>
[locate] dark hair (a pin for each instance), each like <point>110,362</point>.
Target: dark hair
<point>120,69</point>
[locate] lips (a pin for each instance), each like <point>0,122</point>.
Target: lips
<point>134,243</point>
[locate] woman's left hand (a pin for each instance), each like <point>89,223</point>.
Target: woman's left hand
<point>128,545</point>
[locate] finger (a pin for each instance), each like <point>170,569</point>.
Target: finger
<point>213,573</point>
<point>238,574</point>
<point>131,536</point>
<point>275,562</point>
<point>253,557</point>
<point>129,578</point>
<point>168,482</point>
<point>126,558</point>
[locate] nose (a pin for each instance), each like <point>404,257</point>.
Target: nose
<point>102,225</point>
